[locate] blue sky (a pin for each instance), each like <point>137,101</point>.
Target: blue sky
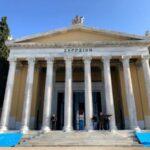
<point>27,17</point>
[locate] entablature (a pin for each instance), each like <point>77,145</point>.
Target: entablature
<point>59,53</point>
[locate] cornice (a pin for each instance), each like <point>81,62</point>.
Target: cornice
<point>12,44</point>
<point>79,27</point>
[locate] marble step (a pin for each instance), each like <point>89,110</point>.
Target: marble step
<point>59,138</point>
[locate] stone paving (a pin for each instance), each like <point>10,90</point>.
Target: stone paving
<point>75,148</point>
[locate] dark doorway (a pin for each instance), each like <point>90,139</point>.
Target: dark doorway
<point>97,108</point>
<point>60,111</point>
<point>78,111</point>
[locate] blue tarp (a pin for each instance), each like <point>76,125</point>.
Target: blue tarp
<point>144,138</point>
<point>10,139</point>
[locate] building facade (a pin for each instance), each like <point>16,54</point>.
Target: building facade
<point>77,71</point>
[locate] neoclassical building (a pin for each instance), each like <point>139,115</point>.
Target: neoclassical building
<point>77,70</point>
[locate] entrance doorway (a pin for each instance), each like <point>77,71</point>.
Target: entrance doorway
<point>97,108</point>
<point>60,111</point>
<point>78,110</point>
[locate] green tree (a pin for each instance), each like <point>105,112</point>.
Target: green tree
<point>4,51</point>
<point>4,34</point>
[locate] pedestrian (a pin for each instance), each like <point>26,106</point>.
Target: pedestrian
<point>53,121</point>
<point>81,121</point>
<point>94,120</point>
<point>101,121</point>
<point>106,121</point>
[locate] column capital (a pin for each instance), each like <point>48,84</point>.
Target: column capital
<point>49,59</point>
<point>145,57</point>
<point>87,59</point>
<point>30,60</point>
<point>12,59</point>
<point>106,58</point>
<point>126,57</point>
<point>68,58</point>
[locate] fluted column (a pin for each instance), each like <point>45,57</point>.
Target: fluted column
<point>68,109</point>
<point>88,94</point>
<point>48,96</point>
<point>28,96</point>
<point>129,93</point>
<point>146,69</point>
<point>109,93</point>
<point>8,95</point>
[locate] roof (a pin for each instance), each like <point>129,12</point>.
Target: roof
<point>129,37</point>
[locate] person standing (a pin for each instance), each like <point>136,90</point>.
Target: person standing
<point>81,121</point>
<point>106,122</point>
<point>101,121</point>
<point>53,122</point>
<point>94,120</point>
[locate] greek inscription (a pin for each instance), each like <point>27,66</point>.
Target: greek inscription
<point>77,50</point>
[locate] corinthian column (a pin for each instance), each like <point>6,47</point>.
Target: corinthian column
<point>28,96</point>
<point>146,69</point>
<point>8,95</point>
<point>88,94</point>
<point>108,92</point>
<point>129,93</point>
<point>48,95</point>
<point>68,96</point>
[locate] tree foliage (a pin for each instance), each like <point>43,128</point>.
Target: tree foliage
<point>4,51</point>
<point>4,34</point>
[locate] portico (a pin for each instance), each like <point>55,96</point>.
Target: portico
<point>75,66</point>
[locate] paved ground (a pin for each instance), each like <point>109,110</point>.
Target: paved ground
<point>75,148</point>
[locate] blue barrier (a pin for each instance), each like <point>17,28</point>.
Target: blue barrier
<point>10,139</point>
<point>144,138</point>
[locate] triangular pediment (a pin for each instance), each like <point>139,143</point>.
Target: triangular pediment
<point>78,34</point>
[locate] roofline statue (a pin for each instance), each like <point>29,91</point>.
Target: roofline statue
<point>78,20</point>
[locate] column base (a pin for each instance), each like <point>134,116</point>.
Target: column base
<point>46,129</point>
<point>113,129</point>
<point>25,129</point>
<point>68,129</point>
<point>137,128</point>
<point>3,129</point>
<point>89,128</point>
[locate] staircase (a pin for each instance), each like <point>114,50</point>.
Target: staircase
<point>95,138</point>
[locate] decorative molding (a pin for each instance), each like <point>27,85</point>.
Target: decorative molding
<point>68,58</point>
<point>58,53</point>
<point>106,58</point>
<point>49,59</point>
<point>87,59</point>
<point>84,28</point>
<point>126,57</point>
<point>30,60</point>
<point>80,44</point>
<point>12,59</point>
<point>145,57</point>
